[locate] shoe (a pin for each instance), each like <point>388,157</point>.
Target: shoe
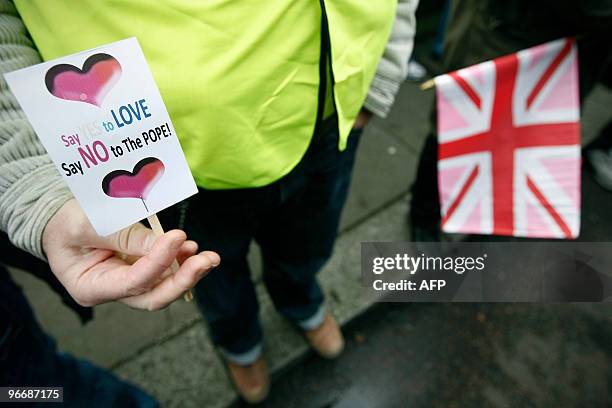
<point>327,339</point>
<point>252,382</point>
<point>600,161</point>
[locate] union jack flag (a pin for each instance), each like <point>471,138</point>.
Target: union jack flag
<point>509,144</point>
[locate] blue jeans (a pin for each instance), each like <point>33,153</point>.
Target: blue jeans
<point>294,221</point>
<point>29,357</point>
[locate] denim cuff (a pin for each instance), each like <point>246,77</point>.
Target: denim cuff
<point>243,359</point>
<point>315,320</point>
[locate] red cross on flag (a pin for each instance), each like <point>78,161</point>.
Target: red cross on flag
<point>509,144</point>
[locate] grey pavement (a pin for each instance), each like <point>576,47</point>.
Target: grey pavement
<point>168,353</point>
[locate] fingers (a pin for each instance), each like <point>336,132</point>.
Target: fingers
<point>134,240</point>
<point>96,278</point>
<point>172,287</point>
<point>188,249</point>
<point>137,240</point>
<point>105,277</point>
<point>94,275</point>
<point>143,274</point>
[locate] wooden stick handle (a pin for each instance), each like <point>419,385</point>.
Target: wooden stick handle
<point>430,83</point>
<point>159,230</point>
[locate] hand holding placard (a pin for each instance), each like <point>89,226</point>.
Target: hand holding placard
<point>101,118</point>
<point>87,266</point>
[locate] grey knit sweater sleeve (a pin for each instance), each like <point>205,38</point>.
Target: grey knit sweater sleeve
<point>393,65</point>
<point>31,188</point>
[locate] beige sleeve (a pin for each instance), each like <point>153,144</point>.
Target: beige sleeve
<point>392,68</point>
<point>31,188</point>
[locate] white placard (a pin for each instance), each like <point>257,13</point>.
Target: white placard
<point>102,120</point>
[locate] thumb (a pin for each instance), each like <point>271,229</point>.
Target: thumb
<point>134,240</point>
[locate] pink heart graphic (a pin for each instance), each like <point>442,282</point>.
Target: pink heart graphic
<point>135,184</point>
<point>90,85</point>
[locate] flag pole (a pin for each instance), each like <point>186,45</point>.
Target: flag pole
<point>159,230</point>
<point>430,83</point>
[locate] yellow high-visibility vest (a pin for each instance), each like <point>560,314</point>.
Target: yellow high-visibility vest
<point>240,78</point>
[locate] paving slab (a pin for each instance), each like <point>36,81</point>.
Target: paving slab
<point>384,169</point>
<point>409,120</point>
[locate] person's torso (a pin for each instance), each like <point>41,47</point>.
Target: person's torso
<point>240,78</point>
